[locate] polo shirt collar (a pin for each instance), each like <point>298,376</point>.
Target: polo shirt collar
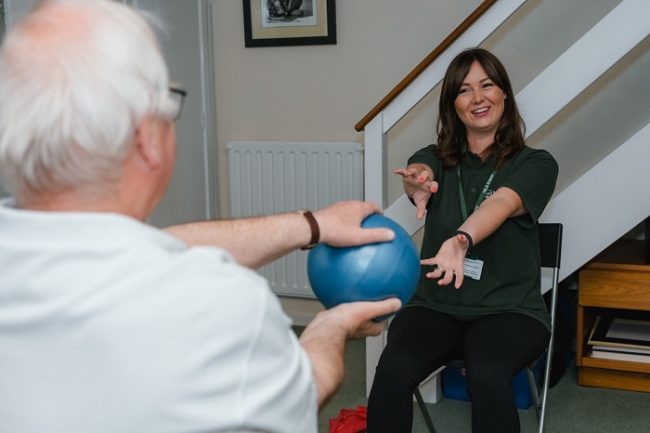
<point>471,159</point>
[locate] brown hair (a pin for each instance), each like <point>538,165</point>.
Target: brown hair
<point>452,135</point>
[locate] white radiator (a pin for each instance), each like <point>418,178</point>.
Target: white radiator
<point>270,177</point>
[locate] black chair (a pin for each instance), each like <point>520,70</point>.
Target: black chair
<point>550,243</point>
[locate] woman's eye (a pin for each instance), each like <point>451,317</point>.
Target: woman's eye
<point>487,85</point>
<point>463,90</point>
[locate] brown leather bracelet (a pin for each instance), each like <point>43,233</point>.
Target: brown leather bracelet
<point>313,225</point>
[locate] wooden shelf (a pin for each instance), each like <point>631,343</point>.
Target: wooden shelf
<point>611,364</point>
<point>611,286</point>
<point>616,379</point>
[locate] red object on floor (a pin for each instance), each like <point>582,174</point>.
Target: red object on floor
<point>349,421</point>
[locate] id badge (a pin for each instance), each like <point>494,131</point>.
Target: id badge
<point>473,268</point>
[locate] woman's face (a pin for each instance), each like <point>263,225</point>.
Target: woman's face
<point>479,103</point>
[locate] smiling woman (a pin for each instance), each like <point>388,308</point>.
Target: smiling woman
<point>482,190</point>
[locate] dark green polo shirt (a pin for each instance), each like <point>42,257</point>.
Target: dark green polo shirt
<point>510,280</point>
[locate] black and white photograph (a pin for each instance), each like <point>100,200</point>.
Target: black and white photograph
<point>269,23</point>
<point>282,13</point>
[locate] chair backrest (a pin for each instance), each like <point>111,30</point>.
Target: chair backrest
<point>550,244</point>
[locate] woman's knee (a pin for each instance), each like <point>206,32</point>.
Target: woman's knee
<point>488,376</point>
<point>395,366</point>
<point>401,369</point>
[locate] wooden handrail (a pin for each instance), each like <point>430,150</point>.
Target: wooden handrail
<point>480,10</point>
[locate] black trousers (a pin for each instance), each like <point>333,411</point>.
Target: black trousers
<point>495,348</point>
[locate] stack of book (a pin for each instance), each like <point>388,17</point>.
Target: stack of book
<point>621,339</point>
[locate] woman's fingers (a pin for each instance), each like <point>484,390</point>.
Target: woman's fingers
<point>444,273</point>
<point>419,185</point>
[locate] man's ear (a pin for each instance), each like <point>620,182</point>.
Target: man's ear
<point>148,141</point>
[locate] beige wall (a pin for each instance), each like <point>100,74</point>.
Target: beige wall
<point>318,93</point>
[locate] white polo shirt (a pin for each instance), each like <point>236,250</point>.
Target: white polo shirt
<point>109,325</point>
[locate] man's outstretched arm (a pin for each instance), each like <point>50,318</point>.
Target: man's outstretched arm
<point>257,241</point>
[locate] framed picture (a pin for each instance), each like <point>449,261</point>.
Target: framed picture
<point>271,23</point>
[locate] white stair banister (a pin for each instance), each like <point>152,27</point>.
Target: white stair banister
<point>374,175</point>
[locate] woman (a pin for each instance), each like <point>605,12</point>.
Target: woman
<point>482,190</point>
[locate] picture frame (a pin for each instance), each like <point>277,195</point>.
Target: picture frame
<point>272,23</point>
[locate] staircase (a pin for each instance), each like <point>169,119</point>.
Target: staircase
<point>601,194</point>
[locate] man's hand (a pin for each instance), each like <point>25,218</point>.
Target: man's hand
<point>419,184</point>
<point>324,339</point>
<point>340,224</point>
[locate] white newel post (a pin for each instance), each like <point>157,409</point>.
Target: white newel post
<point>374,191</point>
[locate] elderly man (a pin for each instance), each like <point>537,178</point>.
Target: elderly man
<point>107,324</point>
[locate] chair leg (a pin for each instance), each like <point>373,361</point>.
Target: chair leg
<point>547,378</point>
<point>425,411</point>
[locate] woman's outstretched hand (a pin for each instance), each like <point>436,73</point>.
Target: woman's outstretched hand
<point>449,262</point>
<point>419,184</point>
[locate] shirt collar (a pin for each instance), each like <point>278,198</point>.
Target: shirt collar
<point>473,160</point>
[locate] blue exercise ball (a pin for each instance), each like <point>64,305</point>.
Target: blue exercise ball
<point>366,273</point>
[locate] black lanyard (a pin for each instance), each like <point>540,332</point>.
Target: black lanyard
<point>481,197</point>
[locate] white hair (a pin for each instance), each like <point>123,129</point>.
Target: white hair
<point>76,78</point>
